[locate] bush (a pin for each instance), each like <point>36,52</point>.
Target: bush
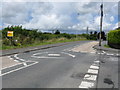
<point>114,38</point>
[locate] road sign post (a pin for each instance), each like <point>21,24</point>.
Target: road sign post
<point>10,35</point>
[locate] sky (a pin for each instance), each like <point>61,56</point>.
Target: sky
<point>69,16</point>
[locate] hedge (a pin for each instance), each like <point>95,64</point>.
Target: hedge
<point>114,38</point>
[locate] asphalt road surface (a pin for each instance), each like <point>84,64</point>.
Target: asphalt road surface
<point>58,67</point>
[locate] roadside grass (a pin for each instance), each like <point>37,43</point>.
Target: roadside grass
<point>107,46</point>
<point>45,42</point>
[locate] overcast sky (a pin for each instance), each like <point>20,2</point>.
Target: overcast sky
<point>68,16</point>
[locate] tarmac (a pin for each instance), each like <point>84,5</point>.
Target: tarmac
<point>6,61</point>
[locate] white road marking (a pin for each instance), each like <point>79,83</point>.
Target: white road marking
<point>53,54</point>
<point>18,69</point>
<point>39,53</point>
<point>69,54</point>
<point>16,56</point>
<point>16,60</point>
<point>109,54</point>
<point>11,66</point>
<point>117,54</point>
<point>85,84</point>
<point>24,63</point>
<point>92,71</point>
<point>92,52</point>
<point>100,53</point>
<point>96,61</point>
<point>94,67</point>
<point>90,77</point>
<point>103,51</point>
<point>43,57</point>
<point>10,57</point>
<point>22,59</point>
<point>84,51</point>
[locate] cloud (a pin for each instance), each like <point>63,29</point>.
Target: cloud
<point>62,15</point>
<point>111,18</point>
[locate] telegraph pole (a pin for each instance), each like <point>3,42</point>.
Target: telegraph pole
<point>101,20</point>
<point>87,31</point>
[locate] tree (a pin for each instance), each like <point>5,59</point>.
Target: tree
<point>57,32</point>
<point>95,32</point>
<point>91,32</point>
<point>103,36</point>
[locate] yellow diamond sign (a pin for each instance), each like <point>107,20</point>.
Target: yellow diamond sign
<point>10,33</point>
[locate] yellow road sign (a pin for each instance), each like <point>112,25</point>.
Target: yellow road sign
<point>10,33</point>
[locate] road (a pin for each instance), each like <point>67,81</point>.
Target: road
<point>58,67</point>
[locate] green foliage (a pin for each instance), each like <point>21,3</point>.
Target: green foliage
<point>57,32</point>
<point>114,36</point>
<point>24,37</point>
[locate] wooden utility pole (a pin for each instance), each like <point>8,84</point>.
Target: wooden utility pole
<point>101,20</point>
<point>87,31</point>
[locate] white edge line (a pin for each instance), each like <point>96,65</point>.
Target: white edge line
<point>18,69</point>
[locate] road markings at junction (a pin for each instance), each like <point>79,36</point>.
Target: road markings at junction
<point>69,54</point>
<point>91,76</point>
<point>53,54</point>
<point>11,66</point>
<point>39,53</point>
<point>85,84</point>
<point>94,67</point>
<point>92,71</point>
<point>24,63</point>
<point>18,69</point>
<point>43,57</point>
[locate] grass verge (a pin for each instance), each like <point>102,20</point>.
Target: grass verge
<point>39,43</point>
<point>107,46</point>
